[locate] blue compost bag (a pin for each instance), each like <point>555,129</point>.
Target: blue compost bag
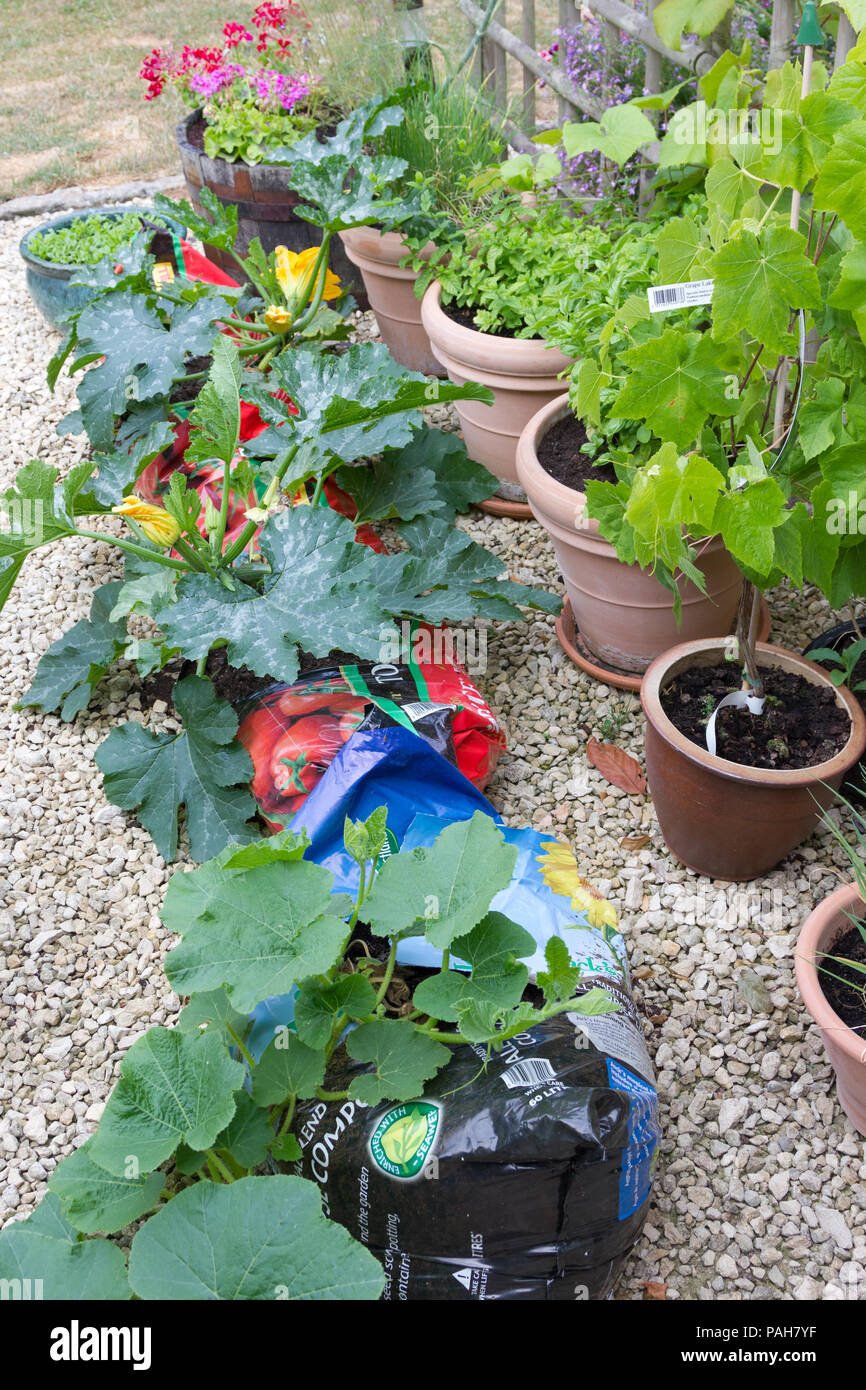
<point>543,1153</point>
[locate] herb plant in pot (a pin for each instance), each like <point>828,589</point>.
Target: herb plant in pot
<point>57,251</point>
<point>480,315</point>
<point>831,976</point>
<point>446,138</point>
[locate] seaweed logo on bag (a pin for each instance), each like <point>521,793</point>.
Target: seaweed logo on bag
<point>404,1137</point>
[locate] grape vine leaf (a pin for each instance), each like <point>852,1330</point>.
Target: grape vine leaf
<point>619,134</point>
<point>257,1238</point>
<point>497,978</point>
<point>260,932</point>
<point>676,382</point>
<point>287,1067</point>
<point>674,490</point>
<point>748,520</point>
<point>47,1250</point>
<point>173,1087</point>
<point>674,17</point>
<point>759,280</point>
<point>469,862</point>
<point>203,768</point>
<point>402,1058</point>
<point>95,1200</point>
<point>73,666</point>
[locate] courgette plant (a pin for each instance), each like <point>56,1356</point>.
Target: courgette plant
<point>751,440</point>
<point>195,1117</point>
<point>292,577</point>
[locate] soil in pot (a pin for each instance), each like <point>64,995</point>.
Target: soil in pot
<point>466,319</point>
<point>560,454</point>
<point>802,724</point>
<point>844,988</point>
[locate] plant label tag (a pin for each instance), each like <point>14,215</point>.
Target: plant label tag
<point>663,297</point>
<point>739,698</point>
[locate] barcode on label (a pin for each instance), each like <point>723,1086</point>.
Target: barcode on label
<point>680,296</point>
<point>416,709</point>
<point>533,1072</point>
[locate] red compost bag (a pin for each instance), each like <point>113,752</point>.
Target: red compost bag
<point>294,732</point>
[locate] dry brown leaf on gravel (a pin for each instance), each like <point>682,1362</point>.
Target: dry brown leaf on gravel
<point>635,842</point>
<point>617,766</point>
<point>656,1291</point>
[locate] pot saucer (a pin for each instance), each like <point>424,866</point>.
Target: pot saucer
<point>502,506</point>
<point>576,650</point>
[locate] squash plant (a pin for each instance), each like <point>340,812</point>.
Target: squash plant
<point>194,1116</point>
<point>750,439</point>
<point>293,578</point>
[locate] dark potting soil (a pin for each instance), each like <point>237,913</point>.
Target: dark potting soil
<point>848,999</point>
<point>187,390</point>
<point>801,725</point>
<point>232,683</point>
<point>466,319</point>
<point>559,454</point>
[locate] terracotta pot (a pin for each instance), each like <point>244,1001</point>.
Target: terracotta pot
<point>625,616</point>
<point>522,373</point>
<point>845,1048</point>
<point>721,818</point>
<point>265,203</point>
<point>390,290</point>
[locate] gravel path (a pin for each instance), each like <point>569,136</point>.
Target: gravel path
<point>761,1188</point>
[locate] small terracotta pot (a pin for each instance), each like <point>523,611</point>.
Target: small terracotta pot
<point>721,818</point>
<point>624,615</point>
<point>845,1048</point>
<point>522,373</point>
<point>391,291</point>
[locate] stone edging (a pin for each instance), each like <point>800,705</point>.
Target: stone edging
<point>80,197</point>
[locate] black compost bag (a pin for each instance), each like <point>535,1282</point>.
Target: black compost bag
<point>525,1179</point>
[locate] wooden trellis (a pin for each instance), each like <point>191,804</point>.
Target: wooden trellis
<point>500,47</point>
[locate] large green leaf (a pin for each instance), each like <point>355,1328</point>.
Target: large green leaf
<point>320,595</point>
<point>497,978</point>
<point>318,1006</point>
<point>219,228</point>
<point>432,473</point>
<point>467,865</point>
<point>673,18</point>
<point>287,1067</point>
<point>759,281</point>
<point>675,382</point>
<point>260,932</point>
<point>173,1088</point>
<point>73,666</point>
<point>36,510</point>
<point>143,433</point>
<point>95,1200</point>
<point>748,519</point>
<point>674,491</point>
<point>841,185</point>
<point>215,422</point>
<point>204,768</point>
<point>139,356</point>
<point>257,1238</point>
<point>620,134</point>
<point>47,1250</point>
<point>850,292</point>
<point>402,1059</point>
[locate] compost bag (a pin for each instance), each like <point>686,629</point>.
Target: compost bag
<point>522,1175</point>
<point>294,732</point>
<point>525,1176</point>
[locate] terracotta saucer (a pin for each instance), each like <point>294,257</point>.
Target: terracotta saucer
<point>501,506</point>
<point>576,651</point>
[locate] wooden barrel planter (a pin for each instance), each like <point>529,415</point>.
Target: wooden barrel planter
<point>265,204</point>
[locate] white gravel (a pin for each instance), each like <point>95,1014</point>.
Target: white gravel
<point>761,1187</point>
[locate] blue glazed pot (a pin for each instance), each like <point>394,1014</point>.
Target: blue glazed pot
<point>48,281</point>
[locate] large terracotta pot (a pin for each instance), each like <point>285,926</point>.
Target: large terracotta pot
<point>522,373</point>
<point>845,1048</point>
<point>624,615</point>
<point>390,290</point>
<point>265,203</point>
<point>721,818</point>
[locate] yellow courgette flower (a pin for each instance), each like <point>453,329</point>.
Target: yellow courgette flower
<point>155,522</point>
<point>296,275</point>
<point>278,320</point>
<point>559,871</point>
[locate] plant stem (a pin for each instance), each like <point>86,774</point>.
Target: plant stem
<point>251,527</point>
<point>133,549</point>
<point>216,1165</point>
<point>331,1095</point>
<point>389,973</point>
<point>238,1042</point>
<point>288,1117</point>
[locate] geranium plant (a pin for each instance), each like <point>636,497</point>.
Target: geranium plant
<point>195,1117</point>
